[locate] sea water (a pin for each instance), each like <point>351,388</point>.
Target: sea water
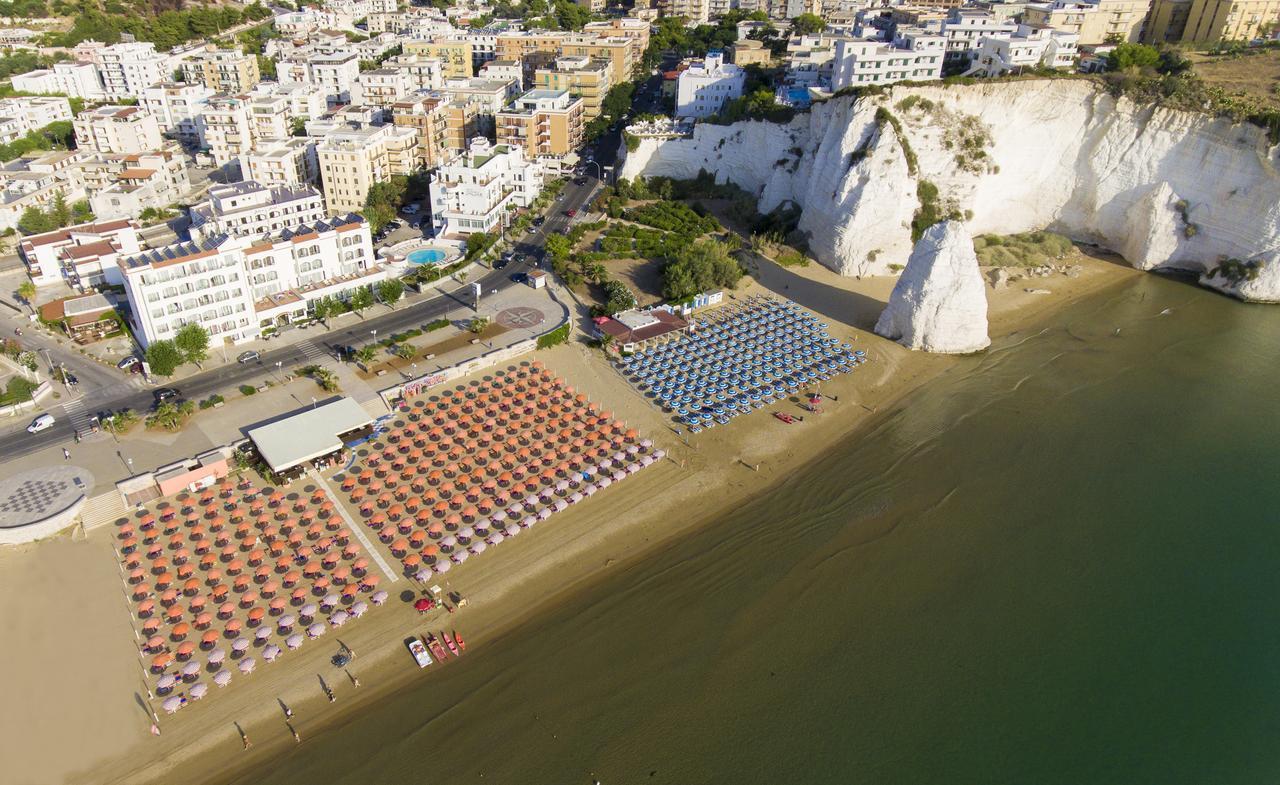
<point>1059,563</point>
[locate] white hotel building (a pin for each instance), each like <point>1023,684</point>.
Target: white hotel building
<point>473,190</point>
<point>251,209</point>
<point>236,286</point>
<point>914,56</point>
<point>703,88</point>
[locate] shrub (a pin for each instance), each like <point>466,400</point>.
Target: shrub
<point>438,324</point>
<point>211,401</point>
<point>248,389</point>
<point>555,337</point>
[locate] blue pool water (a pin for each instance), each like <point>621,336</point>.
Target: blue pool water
<point>426,256</point>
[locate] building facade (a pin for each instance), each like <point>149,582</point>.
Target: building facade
<point>222,70</point>
<point>587,78</point>
<point>703,88</point>
<point>252,209</point>
<point>543,123</point>
<point>353,159</point>
<point>475,190</point>
<point>179,109</point>
<point>127,69</point>
<point>81,255</point>
<point>117,129</point>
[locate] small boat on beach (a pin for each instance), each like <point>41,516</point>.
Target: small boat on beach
<point>788,419</point>
<point>436,648</point>
<point>419,652</point>
<point>462,645</point>
<point>453,647</point>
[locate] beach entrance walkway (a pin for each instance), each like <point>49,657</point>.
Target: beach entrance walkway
<point>359,533</point>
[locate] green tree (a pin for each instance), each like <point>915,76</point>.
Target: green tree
<point>390,291</point>
<point>618,297</point>
<point>558,248</point>
<point>322,309</point>
<point>1128,55</point>
<point>59,212</point>
<point>164,358</point>
<point>478,324</point>
<point>192,341</point>
<point>35,221</point>
<point>361,299</point>
<point>701,267</point>
<point>81,212</point>
<point>171,415</point>
<point>366,353</point>
<point>298,126</point>
<point>27,291</point>
<point>808,24</point>
<point>402,350</point>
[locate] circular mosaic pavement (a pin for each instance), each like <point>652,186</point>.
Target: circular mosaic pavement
<point>520,317</point>
<point>33,496</point>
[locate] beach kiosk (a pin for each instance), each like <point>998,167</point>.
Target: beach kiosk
<point>289,444</point>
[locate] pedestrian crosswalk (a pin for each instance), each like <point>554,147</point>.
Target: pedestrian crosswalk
<point>313,353</point>
<point>76,413</point>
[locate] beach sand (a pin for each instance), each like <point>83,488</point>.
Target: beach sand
<point>76,669</point>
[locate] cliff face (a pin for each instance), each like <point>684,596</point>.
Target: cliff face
<point>1163,188</point>
<point>940,302</point>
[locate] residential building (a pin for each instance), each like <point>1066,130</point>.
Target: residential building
<point>965,27</point>
<point>117,129</point>
<point>749,52</point>
<point>455,56</point>
<point>695,12</point>
<point>353,159</point>
<point>463,121</point>
<point>502,71</point>
<point>23,114</point>
<point>1028,47</point>
<point>427,115</point>
<point>1098,22</point>
<point>617,51</point>
<point>122,186</point>
<point>594,6</point>
<point>81,255</point>
<point>587,78</point>
<point>85,317</point>
<point>222,70</point>
<point>274,108</point>
<point>543,123</point>
<point>253,209</point>
<point>287,161</point>
<point>533,49</point>
<point>74,79</point>
<point>300,24</point>
<point>335,74</point>
<point>235,287</point>
<point>127,68</point>
<point>483,98</point>
<point>424,73</point>
<point>634,30</point>
<point>703,88</point>
<point>914,56</point>
<point>179,109</point>
<point>227,130</point>
<point>380,87</point>
<point>1210,21</point>
<point>475,189</point>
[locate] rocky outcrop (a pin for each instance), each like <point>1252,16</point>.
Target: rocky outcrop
<point>1164,188</point>
<point>940,302</point>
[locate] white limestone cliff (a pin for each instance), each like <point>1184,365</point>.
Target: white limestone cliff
<point>1164,188</point>
<point>940,302</point>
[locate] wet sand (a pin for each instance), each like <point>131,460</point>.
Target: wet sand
<point>720,469</point>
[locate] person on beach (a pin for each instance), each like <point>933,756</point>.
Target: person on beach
<point>244,737</point>
<point>354,681</point>
<point>66,454</point>
<point>296,738</point>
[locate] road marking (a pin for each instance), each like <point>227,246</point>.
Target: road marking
<point>357,530</point>
<point>312,352</point>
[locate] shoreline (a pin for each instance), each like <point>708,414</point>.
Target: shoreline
<point>640,519</point>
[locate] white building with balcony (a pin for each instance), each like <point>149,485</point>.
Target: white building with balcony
<point>117,129</point>
<point>914,56</point>
<point>1028,47</point>
<point>23,114</point>
<point>703,88</point>
<point>80,255</point>
<point>474,190</point>
<point>289,161</point>
<point>253,209</point>
<point>127,69</point>
<point>179,109</point>
<point>74,79</point>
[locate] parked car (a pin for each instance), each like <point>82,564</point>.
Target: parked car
<point>128,363</point>
<point>248,357</point>
<point>411,209</point>
<point>571,213</point>
<point>517,277</point>
<point>163,394</point>
<point>41,423</point>
<point>580,180</point>
<point>391,226</point>
<point>540,220</point>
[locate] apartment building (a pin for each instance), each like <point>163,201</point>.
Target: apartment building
<point>227,130</point>
<point>1102,21</point>
<point>424,73</point>
<point>587,78</point>
<point>703,88</point>
<point>483,99</point>
<point>1209,21</point>
<point>454,55</point>
<point>532,49</point>
<point>427,115</point>
<point>122,186</point>
<point>179,109</point>
<point>502,71</point>
<point>543,123</point>
<point>300,24</point>
<point>1028,47</point>
<point>117,129</point>
<point>915,55</point>
<point>749,52</point>
<point>82,255</point>
<point>253,209</point>
<point>128,68</point>
<point>333,73</point>
<point>634,30</point>
<point>475,189</point>
<point>273,107</point>
<point>694,12</point>
<point>380,87</point>
<point>22,114</point>
<point>353,159</point>
<point>222,70</point>
<point>74,79</point>
<point>965,28</point>
<point>616,50</point>
<point>278,162</point>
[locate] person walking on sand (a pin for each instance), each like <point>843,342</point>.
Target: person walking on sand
<point>296,738</point>
<point>245,738</point>
<point>354,681</point>
<point>66,454</point>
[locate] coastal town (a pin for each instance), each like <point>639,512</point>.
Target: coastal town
<point>338,336</point>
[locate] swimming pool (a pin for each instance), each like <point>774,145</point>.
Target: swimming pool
<point>426,256</point>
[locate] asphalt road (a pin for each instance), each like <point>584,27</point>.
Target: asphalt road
<point>117,393</point>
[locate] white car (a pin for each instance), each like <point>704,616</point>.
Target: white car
<point>43,422</point>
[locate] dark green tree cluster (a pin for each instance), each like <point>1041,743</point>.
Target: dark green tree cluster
<point>20,61</point>
<point>703,266</point>
<point>166,29</point>
<point>59,135</point>
<point>59,214</point>
<point>25,9</point>
<point>613,108</point>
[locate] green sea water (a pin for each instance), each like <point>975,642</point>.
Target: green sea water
<point>1059,563</point>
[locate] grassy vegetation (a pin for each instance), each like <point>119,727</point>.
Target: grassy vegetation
<point>555,337</point>
<point>1032,249</point>
<point>17,390</point>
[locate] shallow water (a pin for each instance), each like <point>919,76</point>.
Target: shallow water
<point>1057,564</point>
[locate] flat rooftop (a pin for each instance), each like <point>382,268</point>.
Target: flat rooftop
<point>310,434</point>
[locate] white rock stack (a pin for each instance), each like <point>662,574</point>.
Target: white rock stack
<point>940,302</point>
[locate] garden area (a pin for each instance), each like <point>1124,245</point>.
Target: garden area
<point>399,352</point>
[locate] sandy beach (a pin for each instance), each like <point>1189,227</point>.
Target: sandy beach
<point>76,668</point>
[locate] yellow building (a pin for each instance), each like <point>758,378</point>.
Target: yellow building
<point>584,77</point>
<point>462,123</point>
<point>543,123</point>
<point>1208,21</point>
<point>532,49</point>
<point>428,115</point>
<point>1095,23</point>
<point>616,50</point>
<point>222,70</point>
<point>634,30</point>
<point>353,159</point>
<point>455,56</point>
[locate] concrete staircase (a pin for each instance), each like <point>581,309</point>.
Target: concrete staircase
<point>102,510</point>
